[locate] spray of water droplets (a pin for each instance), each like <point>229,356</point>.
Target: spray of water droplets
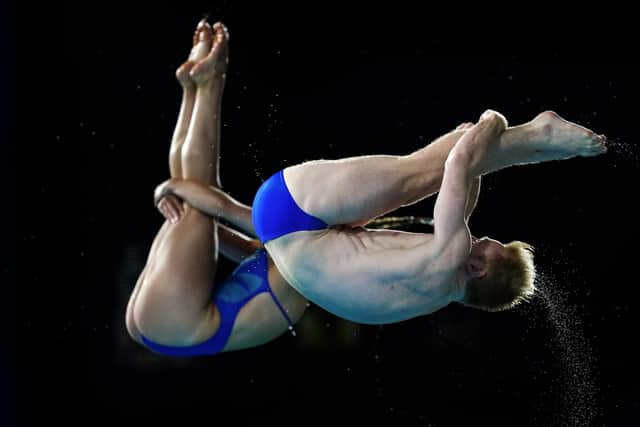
<point>623,150</point>
<point>573,388</point>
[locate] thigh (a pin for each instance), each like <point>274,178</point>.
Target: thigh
<point>132,327</point>
<point>175,297</point>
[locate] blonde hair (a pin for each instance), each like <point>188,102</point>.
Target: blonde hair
<point>509,281</point>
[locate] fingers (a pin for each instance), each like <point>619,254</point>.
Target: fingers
<point>162,207</point>
<point>495,119</point>
<point>175,208</point>
<point>170,208</point>
<point>465,125</point>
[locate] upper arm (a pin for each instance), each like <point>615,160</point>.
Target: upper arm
<point>472,198</point>
<point>235,245</point>
<point>450,224</point>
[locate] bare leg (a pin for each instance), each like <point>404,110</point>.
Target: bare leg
<point>201,152</point>
<point>174,306</point>
<point>198,52</point>
<point>358,189</point>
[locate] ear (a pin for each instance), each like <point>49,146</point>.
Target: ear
<point>476,268</point>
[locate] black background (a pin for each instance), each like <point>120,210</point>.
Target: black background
<point>96,116</point>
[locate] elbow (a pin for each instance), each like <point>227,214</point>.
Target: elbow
<point>256,244</point>
<point>459,158</point>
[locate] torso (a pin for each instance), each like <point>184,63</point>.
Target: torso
<point>260,320</point>
<point>367,276</point>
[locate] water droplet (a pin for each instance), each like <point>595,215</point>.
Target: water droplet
<point>575,386</point>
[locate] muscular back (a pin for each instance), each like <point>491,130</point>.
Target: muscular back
<point>367,276</point>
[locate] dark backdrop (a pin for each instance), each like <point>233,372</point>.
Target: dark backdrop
<point>97,112</point>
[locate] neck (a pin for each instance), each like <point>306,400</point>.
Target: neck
<point>458,286</point>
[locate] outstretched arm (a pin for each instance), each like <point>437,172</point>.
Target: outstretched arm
<point>209,200</point>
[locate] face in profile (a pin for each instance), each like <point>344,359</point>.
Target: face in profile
<point>483,252</point>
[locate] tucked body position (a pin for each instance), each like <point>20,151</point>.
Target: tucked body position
<point>310,222</point>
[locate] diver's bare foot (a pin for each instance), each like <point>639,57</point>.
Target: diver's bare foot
<point>565,139</point>
<point>214,65</point>
<point>202,39</point>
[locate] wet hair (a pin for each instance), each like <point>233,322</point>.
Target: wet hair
<point>509,281</point>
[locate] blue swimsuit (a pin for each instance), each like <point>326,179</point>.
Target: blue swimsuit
<point>249,279</point>
<point>275,212</point>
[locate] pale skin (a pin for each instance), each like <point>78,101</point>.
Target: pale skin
<point>415,274</point>
<point>388,276</point>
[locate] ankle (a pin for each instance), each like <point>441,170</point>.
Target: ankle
<point>214,85</point>
<point>188,90</point>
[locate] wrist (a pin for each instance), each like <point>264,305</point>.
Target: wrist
<point>171,186</point>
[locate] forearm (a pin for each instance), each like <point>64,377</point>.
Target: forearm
<point>238,214</point>
<point>450,205</point>
<point>472,198</point>
<point>208,200</point>
<point>214,202</point>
